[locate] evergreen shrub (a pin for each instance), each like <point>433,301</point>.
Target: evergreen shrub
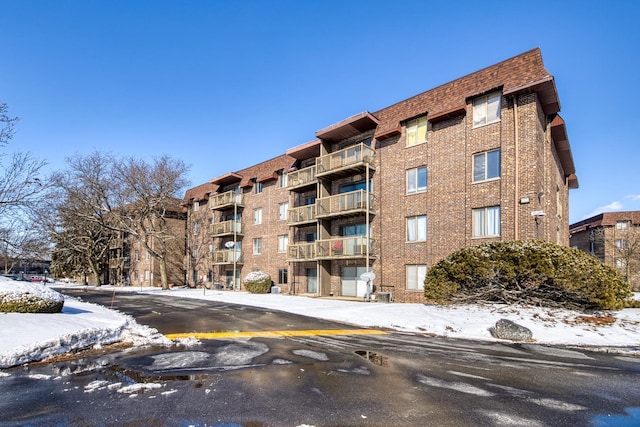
<point>528,272</point>
<point>257,282</point>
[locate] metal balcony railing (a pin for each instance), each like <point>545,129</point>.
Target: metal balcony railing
<point>355,157</point>
<point>351,203</point>
<point>226,256</point>
<point>301,215</point>
<point>301,178</point>
<point>345,247</point>
<point>226,199</point>
<point>226,228</point>
<point>302,251</point>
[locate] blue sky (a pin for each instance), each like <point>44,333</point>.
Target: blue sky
<point>223,85</point>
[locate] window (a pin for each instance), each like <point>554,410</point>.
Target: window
<point>257,216</point>
<point>486,222</point>
<point>282,211</point>
<point>417,131</point>
<point>417,228</point>
<point>194,253</point>
<point>486,109</point>
<point>283,276</point>
<point>283,242</point>
<point>621,244</point>
<point>196,206</point>
<point>147,275</point>
<point>622,225</point>
<point>621,263</point>
<point>258,188</point>
<point>283,180</point>
<point>196,227</point>
<point>486,165</point>
<point>415,276</point>
<point>417,180</point>
<point>147,256</point>
<point>257,246</point>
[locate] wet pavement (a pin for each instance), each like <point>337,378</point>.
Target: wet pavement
<point>394,379</point>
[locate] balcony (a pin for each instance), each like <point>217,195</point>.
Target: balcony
<point>301,251</point>
<point>116,243</point>
<point>302,215</point>
<point>225,200</point>
<point>302,178</point>
<point>226,256</point>
<point>226,228</point>
<point>120,262</point>
<point>345,247</point>
<point>336,248</point>
<point>345,204</point>
<point>346,161</point>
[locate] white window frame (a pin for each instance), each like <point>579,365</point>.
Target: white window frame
<point>413,180</point>
<point>283,208</point>
<point>622,225</point>
<point>417,228</point>
<point>257,216</point>
<point>486,109</point>
<point>484,158</point>
<point>258,188</point>
<point>196,206</point>
<point>486,222</point>
<point>196,227</point>
<point>415,275</point>
<point>417,130</point>
<point>283,181</point>
<point>257,246</point>
<point>283,242</point>
<point>622,244</point>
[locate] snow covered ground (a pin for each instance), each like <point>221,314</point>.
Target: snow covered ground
<point>31,337</point>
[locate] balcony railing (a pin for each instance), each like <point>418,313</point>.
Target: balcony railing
<point>226,228</point>
<point>356,157</point>
<point>226,256</point>
<point>120,262</point>
<point>116,243</point>
<point>335,248</point>
<point>345,247</point>
<point>225,200</point>
<point>301,178</point>
<point>345,204</point>
<point>301,215</point>
<point>302,251</point>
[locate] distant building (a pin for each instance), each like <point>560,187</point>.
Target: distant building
<point>613,238</point>
<point>130,263</point>
<point>483,158</point>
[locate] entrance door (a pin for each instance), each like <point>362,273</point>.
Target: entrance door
<point>350,283</point>
<point>312,280</point>
<point>228,279</point>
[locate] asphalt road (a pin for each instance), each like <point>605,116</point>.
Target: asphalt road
<point>342,379</point>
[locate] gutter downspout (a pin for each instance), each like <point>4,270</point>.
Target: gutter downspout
<point>516,220</point>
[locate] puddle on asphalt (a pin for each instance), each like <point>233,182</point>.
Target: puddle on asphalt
<point>133,377</point>
<point>631,418</point>
<point>373,357</point>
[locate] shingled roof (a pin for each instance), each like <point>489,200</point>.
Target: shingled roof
<point>521,73</point>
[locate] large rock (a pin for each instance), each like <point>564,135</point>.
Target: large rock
<point>508,330</point>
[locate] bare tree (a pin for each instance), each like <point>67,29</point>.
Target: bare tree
<point>7,124</point>
<point>106,197</point>
<point>148,200</point>
<point>620,248</point>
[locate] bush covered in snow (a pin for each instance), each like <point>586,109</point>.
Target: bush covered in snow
<point>26,297</point>
<point>530,272</point>
<point>257,282</point>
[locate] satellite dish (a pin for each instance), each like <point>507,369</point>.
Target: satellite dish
<point>368,276</point>
<point>229,245</point>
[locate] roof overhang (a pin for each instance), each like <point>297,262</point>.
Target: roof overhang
<point>545,88</point>
<point>561,143</point>
<point>226,179</point>
<point>309,150</point>
<point>347,128</point>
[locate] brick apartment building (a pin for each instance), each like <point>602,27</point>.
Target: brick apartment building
<point>485,157</point>
<point>613,238</point>
<point>130,263</point>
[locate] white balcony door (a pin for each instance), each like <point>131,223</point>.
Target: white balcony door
<point>350,283</point>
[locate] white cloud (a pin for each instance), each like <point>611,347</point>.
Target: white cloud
<point>614,206</point>
<point>633,197</point>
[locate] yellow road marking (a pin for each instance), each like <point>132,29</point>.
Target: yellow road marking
<point>274,334</point>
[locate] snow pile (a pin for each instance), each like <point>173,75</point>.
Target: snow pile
<point>19,293</point>
<point>27,337</point>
